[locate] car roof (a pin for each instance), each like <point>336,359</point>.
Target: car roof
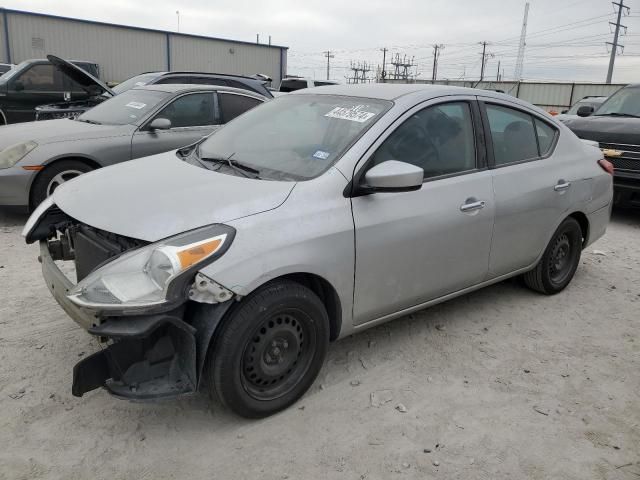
<point>210,74</point>
<point>389,91</point>
<point>186,87</point>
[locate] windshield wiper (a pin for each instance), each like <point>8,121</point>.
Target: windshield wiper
<point>233,164</point>
<point>617,114</point>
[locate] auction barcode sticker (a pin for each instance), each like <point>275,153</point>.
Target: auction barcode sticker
<point>354,114</point>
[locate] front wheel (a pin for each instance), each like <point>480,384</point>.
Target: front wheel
<point>270,349</point>
<point>53,176</point>
<point>560,260</point>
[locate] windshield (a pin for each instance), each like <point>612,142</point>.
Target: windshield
<point>127,108</point>
<point>625,101</point>
<point>589,103</point>
<point>295,137</point>
<point>137,81</point>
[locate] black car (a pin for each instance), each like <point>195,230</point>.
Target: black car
<point>615,125</point>
<point>34,82</point>
<point>102,92</point>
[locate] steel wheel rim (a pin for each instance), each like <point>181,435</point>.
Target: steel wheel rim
<point>61,178</point>
<point>278,354</point>
<point>560,259</point>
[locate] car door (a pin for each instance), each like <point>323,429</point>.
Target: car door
<point>532,185</point>
<point>413,247</point>
<point>192,116</point>
<point>38,84</point>
<point>234,104</point>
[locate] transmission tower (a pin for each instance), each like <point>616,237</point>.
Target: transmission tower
<point>523,40</point>
<point>360,71</point>
<point>401,67</point>
<point>615,44</point>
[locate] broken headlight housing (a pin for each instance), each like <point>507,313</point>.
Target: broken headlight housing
<point>13,154</point>
<point>154,274</point>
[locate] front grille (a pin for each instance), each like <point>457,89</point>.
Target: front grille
<point>630,158</point>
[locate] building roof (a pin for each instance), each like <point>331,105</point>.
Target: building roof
<point>4,11</point>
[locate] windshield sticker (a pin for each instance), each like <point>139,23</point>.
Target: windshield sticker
<point>136,105</point>
<point>354,114</point>
<point>321,155</point>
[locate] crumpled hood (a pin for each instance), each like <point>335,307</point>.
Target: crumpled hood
<point>607,129</point>
<point>51,131</point>
<point>159,196</point>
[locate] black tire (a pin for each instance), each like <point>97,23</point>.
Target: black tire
<point>42,187</point>
<point>270,349</point>
<point>560,260</point>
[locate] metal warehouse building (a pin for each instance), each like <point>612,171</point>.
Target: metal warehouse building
<point>123,51</point>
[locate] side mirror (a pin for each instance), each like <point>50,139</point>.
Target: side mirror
<point>18,86</point>
<point>585,111</point>
<point>160,124</point>
<point>393,176</point>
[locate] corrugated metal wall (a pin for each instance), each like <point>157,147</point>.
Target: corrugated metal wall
<point>227,57</point>
<point>124,51</point>
<point>549,96</point>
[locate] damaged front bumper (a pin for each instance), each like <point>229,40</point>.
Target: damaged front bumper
<point>148,356</point>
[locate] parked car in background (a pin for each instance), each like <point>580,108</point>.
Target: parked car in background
<point>36,158</point>
<point>312,217</point>
<point>103,92</point>
<point>615,125</point>
<point>572,113</point>
<point>5,67</point>
<point>291,84</point>
<point>34,82</point>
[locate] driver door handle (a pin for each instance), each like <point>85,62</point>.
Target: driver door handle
<point>469,207</point>
<point>561,185</point>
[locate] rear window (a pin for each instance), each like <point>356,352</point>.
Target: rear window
<point>291,85</point>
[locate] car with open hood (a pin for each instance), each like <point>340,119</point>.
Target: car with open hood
<point>101,92</point>
<point>37,157</point>
<point>234,262</point>
<point>34,82</point>
<point>615,126</point>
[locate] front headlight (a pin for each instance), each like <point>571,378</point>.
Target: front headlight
<point>13,154</point>
<point>153,274</point>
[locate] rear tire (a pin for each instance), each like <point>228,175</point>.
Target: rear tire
<point>270,349</point>
<point>560,260</point>
<point>53,176</point>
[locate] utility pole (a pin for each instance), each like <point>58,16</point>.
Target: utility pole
<point>329,56</point>
<point>178,15</point>
<point>384,65</point>
<point>498,74</point>
<point>485,55</point>
<point>436,55</point>
<point>615,44</point>
<point>523,43</point>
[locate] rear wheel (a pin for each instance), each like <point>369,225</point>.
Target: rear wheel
<point>560,260</point>
<point>270,349</point>
<point>53,176</point>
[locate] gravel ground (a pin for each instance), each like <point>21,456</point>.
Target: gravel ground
<point>502,383</point>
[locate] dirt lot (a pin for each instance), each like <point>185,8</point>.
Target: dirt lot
<point>503,383</point>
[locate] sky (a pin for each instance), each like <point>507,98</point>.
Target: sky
<point>566,39</point>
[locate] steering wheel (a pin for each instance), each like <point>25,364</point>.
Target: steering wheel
<point>412,144</point>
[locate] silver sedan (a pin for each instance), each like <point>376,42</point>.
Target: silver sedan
<point>310,218</point>
<point>37,157</point>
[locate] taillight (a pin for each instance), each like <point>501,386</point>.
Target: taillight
<point>606,165</point>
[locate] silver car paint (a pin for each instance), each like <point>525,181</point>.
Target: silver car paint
<point>313,230</point>
<point>103,145</point>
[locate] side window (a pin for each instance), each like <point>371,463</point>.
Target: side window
<point>41,77</point>
<point>546,135</point>
<point>438,139</point>
<point>513,135</point>
<point>189,110</point>
<point>232,105</point>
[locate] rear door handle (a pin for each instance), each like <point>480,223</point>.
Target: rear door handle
<point>562,185</point>
<point>469,207</point>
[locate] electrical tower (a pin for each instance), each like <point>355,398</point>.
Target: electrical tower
<point>360,71</point>
<point>523,42</point>
<point>436,55</point>
<point>615,44</point>
<point>401,67</point>
<point>329,56</point>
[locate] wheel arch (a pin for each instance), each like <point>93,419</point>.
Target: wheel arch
<point>583,221</point>
<point>3,118</point>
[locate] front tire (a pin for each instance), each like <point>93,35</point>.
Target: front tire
<point>270,349</point>
<point>560,260</point>
<point>53,176</point>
